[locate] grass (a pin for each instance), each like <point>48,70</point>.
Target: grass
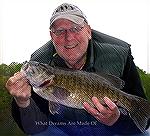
<point>7,125</point>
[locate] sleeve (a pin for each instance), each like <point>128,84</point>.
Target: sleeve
<point>125,124</point>
<point>33,118</point>
<point>132,79</point>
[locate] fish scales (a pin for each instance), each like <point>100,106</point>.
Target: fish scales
<point>87,85</point>
<point>72,83</point>
<point>72,88</point>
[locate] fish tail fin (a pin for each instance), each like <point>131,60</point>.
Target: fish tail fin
<point>140,112</point>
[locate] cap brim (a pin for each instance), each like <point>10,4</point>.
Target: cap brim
<point>73,18</point>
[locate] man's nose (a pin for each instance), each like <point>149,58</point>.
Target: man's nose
<point>68,35</point>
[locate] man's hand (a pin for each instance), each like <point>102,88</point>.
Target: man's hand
<point>106,115</point>
<point>20,89</point>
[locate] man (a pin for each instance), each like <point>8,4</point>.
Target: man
<point>74,45</point>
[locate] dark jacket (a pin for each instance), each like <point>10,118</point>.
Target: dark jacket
<point>105,54</point>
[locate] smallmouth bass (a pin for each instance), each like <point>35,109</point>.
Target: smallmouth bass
<point>73,87</point>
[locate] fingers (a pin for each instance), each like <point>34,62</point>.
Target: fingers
<point>22,93</point>
<point>99,106</point>
<point>12,80</point>
<point>17,73</point>
<point>112,106</point>
<point>18,86</point>
<point>106,115</point>
<point>90,109</point>
<point>20,89</point>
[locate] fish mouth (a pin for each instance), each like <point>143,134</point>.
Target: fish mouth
<point>46,83</point>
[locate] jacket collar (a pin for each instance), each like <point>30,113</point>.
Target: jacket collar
<point>89,65</point>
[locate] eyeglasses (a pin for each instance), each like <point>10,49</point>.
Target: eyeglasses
<point>62,31</point>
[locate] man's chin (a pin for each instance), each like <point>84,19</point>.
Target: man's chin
<point>71,60</point>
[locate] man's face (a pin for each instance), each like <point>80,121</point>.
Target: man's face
<point>70,39</point>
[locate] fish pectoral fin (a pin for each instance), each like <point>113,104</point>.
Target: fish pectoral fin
<point>54,108</point>
<point>123,110</point>
<point>60,93</point>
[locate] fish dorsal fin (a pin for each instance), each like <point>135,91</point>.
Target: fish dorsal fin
<point>114,80</point>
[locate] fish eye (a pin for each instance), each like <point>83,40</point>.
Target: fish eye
<point>31,72</point>
<point>43,65</point>
<point>36,64</point>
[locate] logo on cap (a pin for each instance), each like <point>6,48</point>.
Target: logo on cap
<point>70,12</point>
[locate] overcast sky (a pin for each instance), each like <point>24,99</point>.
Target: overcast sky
<point>24,25</point>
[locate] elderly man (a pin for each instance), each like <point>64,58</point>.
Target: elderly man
<point>74,45</point>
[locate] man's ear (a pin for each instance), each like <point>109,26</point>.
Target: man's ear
<point>51,35</point>
<point>50,32</point>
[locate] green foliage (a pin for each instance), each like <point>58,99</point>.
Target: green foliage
<point>7,125</point>
<point>145,78</point>
<point>14,67</point>
<point>4,96</point>
<point>5,72</point>
<point>9,70</point>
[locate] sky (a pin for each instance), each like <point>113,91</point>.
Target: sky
<point>24,25</point>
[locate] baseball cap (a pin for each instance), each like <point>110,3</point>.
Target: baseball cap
<point>70,12</point>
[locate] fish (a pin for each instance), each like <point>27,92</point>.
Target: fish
<point>72,88</point>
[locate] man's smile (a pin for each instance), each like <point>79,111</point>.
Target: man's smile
<point>70,46</point>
